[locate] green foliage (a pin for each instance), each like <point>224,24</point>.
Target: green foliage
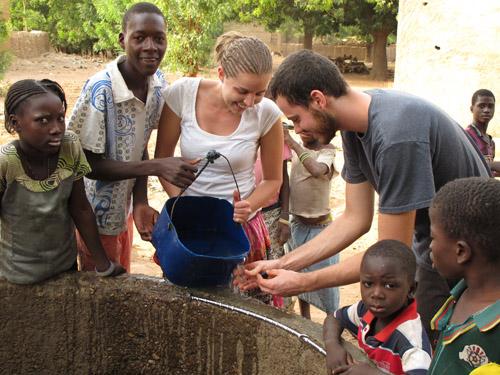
<point>312,17</point>
<point>93,26</point>
<point>67,22</point>
<point>346,34</point>
<point>69,25</point>
<point>193,27</point>
<point>29,15</point>
<point>4,54</point>
<point>109,14</point>
<point>371,15</point>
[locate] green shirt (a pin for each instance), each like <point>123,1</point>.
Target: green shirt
<point>37,235</point>
<point>463,347</point>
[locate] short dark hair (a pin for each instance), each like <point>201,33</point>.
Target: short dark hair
<point>481,92</point>
<point>397,251</point>
<point>24,89</point>
<point>469,209</point>
<point>140,8</point>
<point>305,71</point>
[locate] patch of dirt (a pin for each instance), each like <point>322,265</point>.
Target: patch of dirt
<point>71,71</point>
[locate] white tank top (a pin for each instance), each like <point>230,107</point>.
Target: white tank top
<point>240,147</point>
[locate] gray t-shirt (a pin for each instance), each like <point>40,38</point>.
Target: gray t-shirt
<point>410,150</point>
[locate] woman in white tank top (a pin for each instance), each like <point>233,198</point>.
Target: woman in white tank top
<point>232,116</point>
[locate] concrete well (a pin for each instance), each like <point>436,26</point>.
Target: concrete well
<point>81,324</point>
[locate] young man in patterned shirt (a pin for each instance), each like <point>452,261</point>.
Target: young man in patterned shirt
<point>114,116</point>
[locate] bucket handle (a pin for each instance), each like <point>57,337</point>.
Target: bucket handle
<point>212,155</point>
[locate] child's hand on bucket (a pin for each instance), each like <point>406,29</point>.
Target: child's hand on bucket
<point>145,218</point>
<point>242,209</point>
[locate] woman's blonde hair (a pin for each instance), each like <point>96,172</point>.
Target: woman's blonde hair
<point>237,53</point>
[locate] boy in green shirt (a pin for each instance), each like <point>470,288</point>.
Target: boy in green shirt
<point>465,222</point>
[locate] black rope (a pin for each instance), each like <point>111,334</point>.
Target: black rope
<point>212,155</point>
<point>234,177</point>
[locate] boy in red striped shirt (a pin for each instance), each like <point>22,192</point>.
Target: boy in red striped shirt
<point>386,321</point>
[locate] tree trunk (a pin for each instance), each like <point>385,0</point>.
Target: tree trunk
<point>308,35</point>
<point>25,22</point>
<point>379,68</point>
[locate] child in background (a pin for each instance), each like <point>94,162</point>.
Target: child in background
<point>310,183</point>
<point>41,187</point>
<point>114,116</point>
<point>465,230</point>
<point>386,321</point>
<point>483,110</point>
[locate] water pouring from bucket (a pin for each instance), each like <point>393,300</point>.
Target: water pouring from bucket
<point>197,242</point>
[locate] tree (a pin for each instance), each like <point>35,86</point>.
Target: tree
<point>376,18</point>
<point>4,54</point>
<point>107,24</point>
<point>68,23</point>
<point>193,27</point>
<point>314,17</point>
<point>28,15</point>
<point>94,25</point>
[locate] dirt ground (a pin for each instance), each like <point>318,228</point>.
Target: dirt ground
<point>72,71</point>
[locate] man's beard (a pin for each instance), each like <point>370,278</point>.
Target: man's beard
<point>326,126</point>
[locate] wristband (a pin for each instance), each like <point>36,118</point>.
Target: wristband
<point>109,271</point>
<point>283,221</point>
<point>305,155</point>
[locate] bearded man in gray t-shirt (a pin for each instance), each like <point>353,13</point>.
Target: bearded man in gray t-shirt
<point>398,145</point>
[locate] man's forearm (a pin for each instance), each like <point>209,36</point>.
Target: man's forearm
<point>341,233</point>
<point>344,273</point>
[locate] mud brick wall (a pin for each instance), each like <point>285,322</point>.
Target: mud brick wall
<point>29,44</point>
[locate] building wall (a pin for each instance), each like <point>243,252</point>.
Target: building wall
<point>447,49</point>
<point>4,9</point>
<point>29,44</point>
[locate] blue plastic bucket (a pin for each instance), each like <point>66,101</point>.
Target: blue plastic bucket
<point>201,244</point>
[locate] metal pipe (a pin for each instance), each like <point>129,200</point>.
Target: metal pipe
<point>301,336</point>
